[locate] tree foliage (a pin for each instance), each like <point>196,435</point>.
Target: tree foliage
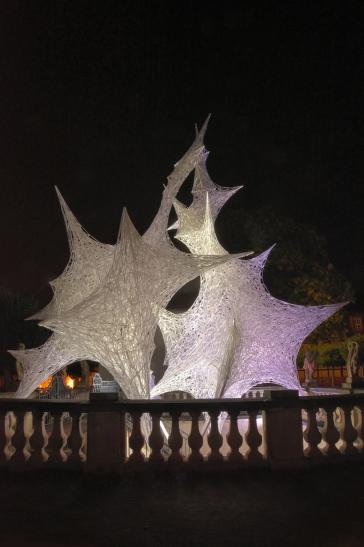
<point>14,308</point>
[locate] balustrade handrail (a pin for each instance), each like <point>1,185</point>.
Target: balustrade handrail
<point>162,406</point>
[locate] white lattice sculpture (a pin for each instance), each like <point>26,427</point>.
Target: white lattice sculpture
<point>87,267</point>
<point>109,299</point>
<point>234,315</point>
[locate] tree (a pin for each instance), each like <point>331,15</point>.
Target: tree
<point>14,308</point>
<point>299,269</point>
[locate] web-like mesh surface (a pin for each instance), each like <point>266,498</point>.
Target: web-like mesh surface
<point>202,356</point>
<point>189,218</point>
<point>109,299</point>
<point>116,323</point>
<point>88,265</point>
<point>40,363</point>
<point>111,316</point>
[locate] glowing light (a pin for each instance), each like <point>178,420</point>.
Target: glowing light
<point>46,384</point>
<point>164,430</point>
<point>69,382</point>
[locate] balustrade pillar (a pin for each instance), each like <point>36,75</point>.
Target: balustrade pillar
<point>359,426</point>
<point>55,441</point>
<point>175,440</point>
<point>312,435</point>
<point>3,439</point>
<point>253,438</point>
<point>195,440</point>
<point>36,440</point>
<point>214,438</point>
<point>74,439</point>
<point>234,438</point>
<point>156,440</point>
<point>136,439</point>
<point>18,440</point>
<point>350,433</point>
<point>331,434</point>
<point>105,440</point>
<point>283,430</point>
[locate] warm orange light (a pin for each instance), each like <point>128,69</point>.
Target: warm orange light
<point>91,378</point>
<point>46,384</point>
<point>69,382</point>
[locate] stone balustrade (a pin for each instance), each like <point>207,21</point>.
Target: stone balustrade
<point>279,430</point>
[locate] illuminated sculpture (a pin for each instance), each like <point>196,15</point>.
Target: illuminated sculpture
<point>112,313</point>
<point>108,302</point>
<point>236,334</point>
<point>87,266</point>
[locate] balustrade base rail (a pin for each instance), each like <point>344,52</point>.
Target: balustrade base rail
<point>103,436</point>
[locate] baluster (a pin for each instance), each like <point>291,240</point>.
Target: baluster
<point>332,435</point>
<point>214,438</point>
<point>3,439</point>
<point>37,440</point>
<point>253,438</point>
<point>156,440</point>
<point>28,432</point>
<point>66,428</point>
<point>10,426</point>
<point>339,422</point>
<point>18,440</point>
<point>195,440</point>
<point>74,439</point>
<point>234,438</point>
<point>312,435</point>
<point>350,433</point>
<point>358,425</point>
<point>136,439</point>
<point>55,441</point>
<point>175,440</point>
<point>65,424</point>
<point>82,429</point>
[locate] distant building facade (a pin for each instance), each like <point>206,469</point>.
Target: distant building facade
<point>356,322</point>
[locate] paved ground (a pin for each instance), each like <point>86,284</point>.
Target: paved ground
<point>316,508</point>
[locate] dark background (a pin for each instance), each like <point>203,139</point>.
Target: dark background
<point>100,98</point>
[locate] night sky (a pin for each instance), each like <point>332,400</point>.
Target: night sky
<point>100,99</point>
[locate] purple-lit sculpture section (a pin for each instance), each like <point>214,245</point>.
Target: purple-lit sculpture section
<point>236,335</point>
<point>110,299</point>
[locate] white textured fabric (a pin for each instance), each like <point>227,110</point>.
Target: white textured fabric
<point>88,265</point>
<point>112,320</point>
<point>267,332</point>
<point>47,360</point>
<point>116,323</point>
<point>202,184</point>
<point>109,299</point>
